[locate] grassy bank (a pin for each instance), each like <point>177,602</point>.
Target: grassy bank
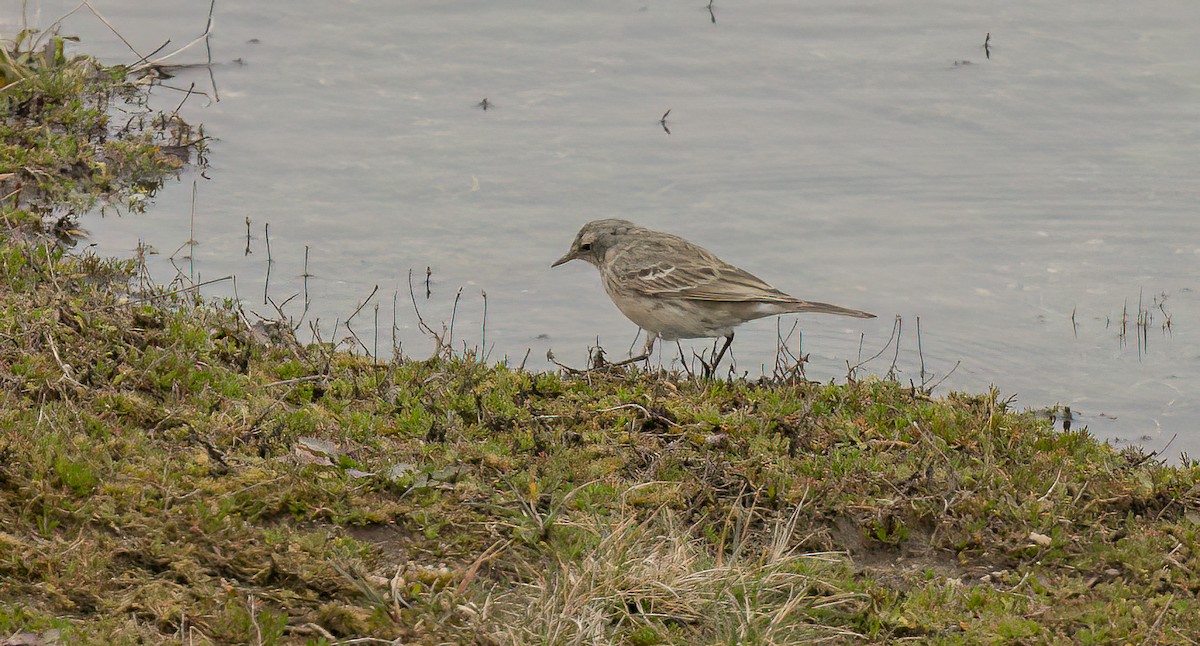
<point>170,474</point>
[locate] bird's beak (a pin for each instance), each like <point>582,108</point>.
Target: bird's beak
<point>567,258</point>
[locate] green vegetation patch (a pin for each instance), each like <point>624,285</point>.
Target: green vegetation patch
<point>75,134</point>
<point>165,473</point>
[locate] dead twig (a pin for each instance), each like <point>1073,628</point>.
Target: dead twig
<point>439,344</point>
<point>158,61</point>
<point>66,369</point>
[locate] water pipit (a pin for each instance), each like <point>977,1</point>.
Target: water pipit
<point>673,289</point>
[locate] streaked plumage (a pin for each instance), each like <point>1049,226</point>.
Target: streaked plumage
<point>674,289</point>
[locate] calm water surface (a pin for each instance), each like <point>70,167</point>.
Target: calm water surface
<point>844,152</point>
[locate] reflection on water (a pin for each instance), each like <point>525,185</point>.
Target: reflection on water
<point>1021,204</point>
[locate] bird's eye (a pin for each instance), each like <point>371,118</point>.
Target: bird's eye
<point>585,247</point>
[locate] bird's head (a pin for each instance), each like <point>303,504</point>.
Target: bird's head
<point>595,239</point>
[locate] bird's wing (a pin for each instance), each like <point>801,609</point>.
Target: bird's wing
<point>679,269</point>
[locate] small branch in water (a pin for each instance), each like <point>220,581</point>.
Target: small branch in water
<point>283,317</point>
<point>453,316</point>
<point>267,281</point>
<point>248,251</point>
<point>356,311</point>
<point>158,61</point>
<point>896,355</point>
<point>306,276</point>
<point>101,18</point>
<point>208,48</point>
<point>920,352</point>
<point>396,353</point>
<point>483,326</point>
<point>1143,317</point>
<point>192,238</point>
<point>437,338</point>
<point>363,304</point>
<point>852,370</point>
<point>1124,322</point>
<point>939,381</point>
<point>187,94</point>
<point>267,235</point>
<point>1163,450</point>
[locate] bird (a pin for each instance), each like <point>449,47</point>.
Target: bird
<point>673,289</point>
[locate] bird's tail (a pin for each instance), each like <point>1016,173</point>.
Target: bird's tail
<point>826,308</point>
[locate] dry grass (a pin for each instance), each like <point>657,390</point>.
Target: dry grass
<point>653,580</point>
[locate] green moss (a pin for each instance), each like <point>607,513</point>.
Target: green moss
<point>59,153</point>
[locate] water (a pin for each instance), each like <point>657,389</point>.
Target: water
<point>843,152</point>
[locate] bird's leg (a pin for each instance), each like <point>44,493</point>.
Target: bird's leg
<point>651,337</point>
<point>711,370</point>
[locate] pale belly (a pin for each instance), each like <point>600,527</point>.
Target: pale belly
<point>681,318</point>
